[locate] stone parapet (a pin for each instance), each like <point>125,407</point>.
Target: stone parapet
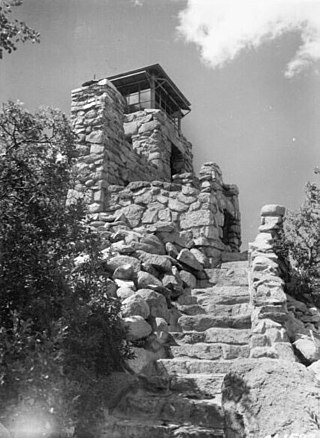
<point>181,211</point>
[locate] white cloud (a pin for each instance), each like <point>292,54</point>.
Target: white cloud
<point>137,2</point>
<point>224,28</point>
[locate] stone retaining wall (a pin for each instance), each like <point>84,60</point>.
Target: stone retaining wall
<point>188,212</point>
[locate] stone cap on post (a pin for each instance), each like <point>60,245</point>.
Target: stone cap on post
<point>273,210</point>
<point>271,217</point>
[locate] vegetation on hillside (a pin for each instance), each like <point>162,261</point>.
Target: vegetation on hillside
<point>301,242</point>
<point>60,332</point>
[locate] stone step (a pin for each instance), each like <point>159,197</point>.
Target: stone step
<point>226,295</point>
<point>187,299</point>
<point>170,407</point>
<point>234,257</point>
<point>198,385</point>
<point>201,323</point>
<point>230,273</point>
<point>188,337</point>
<point>214,335</point>
<point>203,350</point>
<point>191,309</point>
<point>137,429</point>
<point>220,309</point>
<point>183,365</point>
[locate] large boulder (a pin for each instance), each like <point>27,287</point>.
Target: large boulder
<point>173,282</point>
<point>144,280</point>
<point>154,244</point>
<point>156,302</point>
<point>135,305</point>
<point>309,347</point>
<point>124,292</point>
<point>114,262</point>
<point>187,258</point>
<point>315,369</point>
<point>124,272</point>
<point>268,398</point>
<point>161,262</point>
<point>137,327</point>
<point>188,279</point>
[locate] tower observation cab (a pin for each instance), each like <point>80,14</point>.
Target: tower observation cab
<point>151,88</point>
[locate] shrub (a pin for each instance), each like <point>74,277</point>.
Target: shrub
<point>301,240</point>
<point>60,333</point>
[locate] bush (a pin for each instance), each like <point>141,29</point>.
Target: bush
<point>60,332</point>
<point>301,240</point>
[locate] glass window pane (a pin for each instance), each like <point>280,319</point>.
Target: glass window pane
<point>145,95</point>
<point>133,98</point>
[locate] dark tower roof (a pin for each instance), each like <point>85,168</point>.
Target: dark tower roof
<point>152,76</point>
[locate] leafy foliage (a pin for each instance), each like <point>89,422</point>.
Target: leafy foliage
<point>60,332</point>
<point>13,31</point>
<point>301,240</point>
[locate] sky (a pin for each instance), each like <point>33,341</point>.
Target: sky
<point>250,68</point>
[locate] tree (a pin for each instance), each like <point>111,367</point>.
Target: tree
<point>301,242</point>
<point>13,31</point>
<point>60,332</point>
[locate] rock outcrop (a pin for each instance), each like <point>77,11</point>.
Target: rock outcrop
<point>270,398</point>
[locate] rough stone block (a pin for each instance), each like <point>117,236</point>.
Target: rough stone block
<point>309,347</point>
<point>150,216</point>
<point>188,279</point>
<point>114,262</point>
<point>96,149</point>
<point>196,219</point>
<point>144,280</point>
<point>149,126</point>
<point>187,258</point>
<point>137,327</point>
<point>272,210</point>
<point>135,305</point>
<point>95,137</point>
<point>156,302</point>
<point>269,295</point>
<point>95,207</point>
<point>175,205</point>
<point>131,128</point>
<point>133,213</point>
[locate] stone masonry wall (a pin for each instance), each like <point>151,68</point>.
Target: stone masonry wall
<point>138,169</point>
<point>118,150</point>
<point>153,136</point>
<point>270,313</point>
<point>188,212</point>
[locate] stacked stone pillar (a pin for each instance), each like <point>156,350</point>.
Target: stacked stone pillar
<point>269,301</point>
<point>222,200</point>
<point>97,113</point>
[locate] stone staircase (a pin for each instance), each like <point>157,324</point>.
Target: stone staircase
<point>183,399</point>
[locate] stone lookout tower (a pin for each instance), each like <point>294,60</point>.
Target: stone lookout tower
<point>136,164</point>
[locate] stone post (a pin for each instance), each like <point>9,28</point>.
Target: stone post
<point>269,336</point>
<point>97,115</point>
